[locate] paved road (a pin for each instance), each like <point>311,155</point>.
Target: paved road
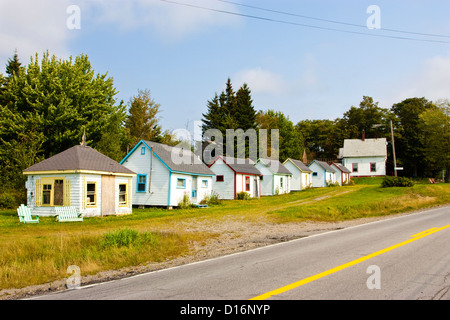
<point>404,258</point>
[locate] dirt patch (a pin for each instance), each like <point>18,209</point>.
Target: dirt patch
<point>234,235</point>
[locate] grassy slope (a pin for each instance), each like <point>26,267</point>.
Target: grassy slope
<point>34,254</point>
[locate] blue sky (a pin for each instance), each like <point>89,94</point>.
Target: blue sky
<point>184,55</point>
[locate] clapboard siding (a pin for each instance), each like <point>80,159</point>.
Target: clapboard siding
<point>296,180</point>
<point>157,181</point>
<point>267,182</point>
<point>226,188</point>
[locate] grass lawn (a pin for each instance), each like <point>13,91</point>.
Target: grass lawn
<point>39,253</point>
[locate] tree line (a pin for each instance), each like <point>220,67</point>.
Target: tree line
<point>47,105</point>
<point>420,127</point>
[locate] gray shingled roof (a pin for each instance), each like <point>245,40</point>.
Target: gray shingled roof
<point>240,165</point>
<point>173,157</point>
<point>275,165</point>
<point>79,157</point>
<point>303,167</point>
<point>324,165</point>
<point>366,148</point>
<point>341,167</point>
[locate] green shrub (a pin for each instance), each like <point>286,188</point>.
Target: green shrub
<point>7,201</point>
<point>125,238</point>
<point>350,182</point>
<point>389,181</point>
<point>212,199</point>
<point>332,184</point>
<point>243,196</point>
<point>185,202</point>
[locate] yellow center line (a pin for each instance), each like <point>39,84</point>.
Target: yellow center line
<point>347,265</point>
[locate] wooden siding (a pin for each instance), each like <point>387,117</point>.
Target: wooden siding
<point>224,189</point>
<point>364,166</point>
<point>157,181</point>
<point>296,180</point>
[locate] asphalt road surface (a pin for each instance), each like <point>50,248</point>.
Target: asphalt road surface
<point>403,258</point>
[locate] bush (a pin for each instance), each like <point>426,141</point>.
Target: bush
<point>119,238</point>
<point>125,238</point>
<point>185,202</point>
<point>332,184</point>
<point>396,182</point>
<point>350,182</point>
<point>212,199</point>
<point>7,201</point>
<point>243,196</point>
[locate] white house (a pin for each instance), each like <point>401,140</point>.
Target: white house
<point>301,174</point>
<point>165,174</point>
<point>322,174</point>
<point>342,173</point>
<point>275,179</point>
<point>364,157</point>
<point>79,177</point>
<point>234,176</point>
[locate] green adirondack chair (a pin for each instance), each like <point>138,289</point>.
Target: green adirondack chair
<point>25,215</point>
<point>68,214</point>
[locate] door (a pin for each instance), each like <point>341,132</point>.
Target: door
<point>108,195</point>
<point>255,189</point>
<point>194,189</point>
<point>58,195</point>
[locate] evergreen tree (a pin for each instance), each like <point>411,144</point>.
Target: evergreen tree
<point>142,121</point>
<point>230,110</point>
<point>245,113</point>
<point>13,67</point>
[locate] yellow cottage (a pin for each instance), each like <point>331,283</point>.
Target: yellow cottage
<point>79,177</point>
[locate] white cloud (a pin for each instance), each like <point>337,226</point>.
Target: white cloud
<point>431,81</point>
<point>33,27</point>
<point>261,81</point>
<point>166,18</point>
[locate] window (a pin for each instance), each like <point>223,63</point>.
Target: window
<point>247,183</point>
<point>219,179</point>
<point>204,183</point>
<point>52,192</point>
<point>315,174</point>
<point>143,150</point>
<point>91,194</point>
<point>281,182</point>
<point>373,167</point>
<point>181,183</point>
<point>46,194</point>
<point>122,194</point>
<point>354,167</point>
<point>141,182</point>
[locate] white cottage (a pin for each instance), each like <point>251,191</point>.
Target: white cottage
<point>234,176</point>
<point>275,179</point>
<point>165,174</point>
<point>342,173</point>
<point>301,174</point>
<point>322,174</point>
<point>79,177</point>
<point>364,157</point>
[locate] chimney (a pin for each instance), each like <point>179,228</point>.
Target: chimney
<point>363,135</point>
